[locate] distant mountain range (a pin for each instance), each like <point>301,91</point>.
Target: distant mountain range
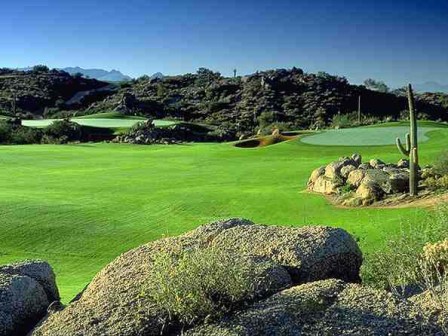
<point>106,76</point>
<point>431,87</point>
<point>101,74</point>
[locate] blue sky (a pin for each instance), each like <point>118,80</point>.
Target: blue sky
<point>395,41</point>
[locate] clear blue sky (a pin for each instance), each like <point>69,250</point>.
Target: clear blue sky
<point>395,41</point>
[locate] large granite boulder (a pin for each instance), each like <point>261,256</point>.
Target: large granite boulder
<point>26,290</point>
<point>309,253</point>
<point>329,307</point>
<point>38,270</point>
<point>113,303</point>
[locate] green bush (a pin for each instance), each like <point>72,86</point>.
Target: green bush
<point>17,134</point>
<point>440,166</point>
<point>200,284</point>
<point>63,130</point>
<point>25,135</point>
<point>5,131</point>
<point>345,120</point>
<point>437,183</point>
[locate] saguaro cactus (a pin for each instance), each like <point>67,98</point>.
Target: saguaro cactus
<point>411,150</point>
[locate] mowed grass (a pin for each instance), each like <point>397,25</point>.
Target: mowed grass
<point>80,206</point>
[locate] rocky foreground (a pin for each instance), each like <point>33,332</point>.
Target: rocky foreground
<point>310,287</point>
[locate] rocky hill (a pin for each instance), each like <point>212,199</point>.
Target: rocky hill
<point>289,99</point>
<point>38,89</point>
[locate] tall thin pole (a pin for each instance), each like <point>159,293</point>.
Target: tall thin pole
<point>359,109</point>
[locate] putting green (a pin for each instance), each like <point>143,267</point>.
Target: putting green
<point>364,136</point>
<point>99,122</point>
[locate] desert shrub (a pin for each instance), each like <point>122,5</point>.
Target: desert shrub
<point>265,119</point>
<point>402,262</point>
<point>440,166</point>
<point>437,254</point>
<point>22,135</point>
<point>17,134</point>
<point>437,183</point>
<point>200,284</point>
<point>5,131</point>
<point>64,130</point>
<point>345,120</point>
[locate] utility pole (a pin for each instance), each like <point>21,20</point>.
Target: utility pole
<point>359,109</point>
<point>14,102</point>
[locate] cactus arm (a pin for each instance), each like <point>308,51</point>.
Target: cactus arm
<point>400,147</point>
<point>408,143</point>
<point>415,155</point>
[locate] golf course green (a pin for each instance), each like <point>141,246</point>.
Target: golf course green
<point>96,122</point>
<point>79,206</point>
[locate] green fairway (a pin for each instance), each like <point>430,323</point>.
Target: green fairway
<point>364,136</point>
<point>79,206</point>
<point>110,115</point>
<point>97,122</point>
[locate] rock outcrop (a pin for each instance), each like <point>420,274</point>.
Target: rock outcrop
<point>360,183</point>
<point>26,290</point>
<point>328,307</point>
<point>36,90</point>
<point>113,304</point>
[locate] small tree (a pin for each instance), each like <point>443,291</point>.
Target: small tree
<point>40,68</point>
<point>374,85</point>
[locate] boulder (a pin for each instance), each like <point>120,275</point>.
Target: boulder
<point>333,170</point>
<point>379,178</point>
<point>403,163</point>
<point>23,303</point>
<point>376,163</point>
<point>309,253</point>
<point>365,166</point>
<point>399,182</point>
<point>329,307</point>
<point>355,177</point>
<point>347,170</point>
<point>315,175</point>
<point>38,270</point>
<point>369,191</point>
<point>327,185</point>
<point>357,159</point>
<point>113,303</point>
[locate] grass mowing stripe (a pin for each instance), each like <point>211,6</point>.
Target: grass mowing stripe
<point>80,206</point>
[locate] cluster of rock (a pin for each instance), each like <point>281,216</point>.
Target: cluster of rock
<point>360,183</point>
<point>26,291</point>
<point>145,133</point>
<point>311,287</point>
